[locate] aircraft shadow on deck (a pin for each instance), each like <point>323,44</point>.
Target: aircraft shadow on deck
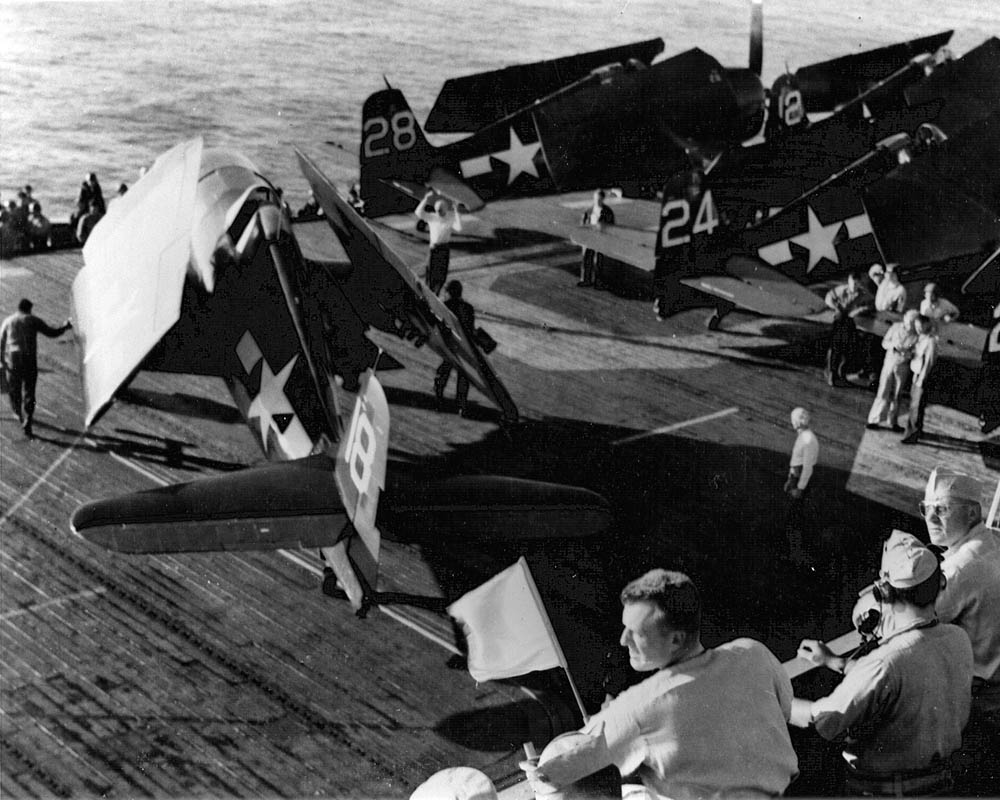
<point>135,445</point>
<point>181,403</point>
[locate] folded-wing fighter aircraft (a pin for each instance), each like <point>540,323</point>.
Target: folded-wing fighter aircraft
<point>198,271</point>
<point>629,125</point>
<point>839,197</point>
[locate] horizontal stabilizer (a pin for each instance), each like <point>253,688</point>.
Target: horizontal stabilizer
<point>489,508</point>
<point>409,188</point>
<point>755,287</point>
<point>629,245</point>
<point>285,504</point>
<point>455,189</point>
<point>472,102</point>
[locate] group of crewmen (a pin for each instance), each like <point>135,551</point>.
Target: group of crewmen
<point>23,226</point>
<point>25,229</point>
<point>917,711</point>
<point>910,346</point>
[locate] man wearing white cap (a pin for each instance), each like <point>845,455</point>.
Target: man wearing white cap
<point>953,513</point>
<point>901,707</point>
<point>937,307</point>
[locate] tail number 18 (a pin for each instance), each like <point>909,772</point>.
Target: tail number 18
<point>400,128</point>
<point>676,214</point>
<point>361,451</point>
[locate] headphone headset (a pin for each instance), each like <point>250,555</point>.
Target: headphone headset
<point>885,592</point>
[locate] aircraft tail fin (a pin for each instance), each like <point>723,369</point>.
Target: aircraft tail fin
<point>360,476</point>
<point>393,148</point>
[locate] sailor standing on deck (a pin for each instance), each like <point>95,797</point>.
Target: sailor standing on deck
<point>440,223</point>
<point>19,354</point>
<point>922,367</point>
<point>898,344</point>
<point>591,261</point>
<point>847,300</point>
<point>902,707</point>
<point>805,454</point>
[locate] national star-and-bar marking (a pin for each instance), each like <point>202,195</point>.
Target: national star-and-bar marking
<point>519,157</point>
<point>820,240</point>
<point>271,407</point>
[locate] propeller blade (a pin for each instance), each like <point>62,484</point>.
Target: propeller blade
<point>756,36</point>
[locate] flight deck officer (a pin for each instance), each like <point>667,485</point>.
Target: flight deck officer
<point>952,511</point>
<point>902,707</point>
<point>440,224</point>
<point>19,355</point>
<point>706,722</point>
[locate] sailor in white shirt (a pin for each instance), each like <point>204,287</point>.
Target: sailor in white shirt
<point>440,224</point>
<point>936,307</point>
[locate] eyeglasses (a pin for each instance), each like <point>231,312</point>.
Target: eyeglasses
<point>937,509</point>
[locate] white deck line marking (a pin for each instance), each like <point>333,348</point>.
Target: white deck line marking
<point>297,559</point>
<point>676,426</point>
<point>43,478</point>
<point>86,594</point>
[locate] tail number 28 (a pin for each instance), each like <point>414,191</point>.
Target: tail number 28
<point>676,214</point>
<point>400,129</point>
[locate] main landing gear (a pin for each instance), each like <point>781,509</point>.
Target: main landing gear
<point>722,310</point>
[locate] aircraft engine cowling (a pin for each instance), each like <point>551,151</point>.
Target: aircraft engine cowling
<point>750,101</point>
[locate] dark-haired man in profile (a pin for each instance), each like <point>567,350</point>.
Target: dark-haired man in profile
<point>707,722</point>
<point>901,708</point>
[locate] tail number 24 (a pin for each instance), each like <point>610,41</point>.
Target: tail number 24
<point>400,129</point>
<point>676,214</point>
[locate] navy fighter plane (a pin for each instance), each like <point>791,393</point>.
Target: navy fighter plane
<point>908,186</point>
<point>629,124</point>
<point>197,270</point>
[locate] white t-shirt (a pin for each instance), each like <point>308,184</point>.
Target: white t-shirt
<point>716,724</point>
<point>805,454</point>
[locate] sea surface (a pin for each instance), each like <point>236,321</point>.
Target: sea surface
<point>106,86</point>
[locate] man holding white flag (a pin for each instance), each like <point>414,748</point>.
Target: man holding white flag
<point>708,721</point>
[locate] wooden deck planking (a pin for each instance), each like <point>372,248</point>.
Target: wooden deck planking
<point>175,666</point>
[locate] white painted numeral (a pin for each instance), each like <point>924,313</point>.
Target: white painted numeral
<point>361,451</point>
<point>403,126</point>
<point>792,109</point>
<point>674,221</point>
<point>706,220</point>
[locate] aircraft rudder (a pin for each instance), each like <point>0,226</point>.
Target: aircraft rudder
<point>393,148</point>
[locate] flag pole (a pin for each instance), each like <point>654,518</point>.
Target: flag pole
<point>552,634</point>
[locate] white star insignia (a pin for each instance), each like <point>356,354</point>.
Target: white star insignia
<point>819,240</point>
<point>519,157</point>
<point>271,401</point>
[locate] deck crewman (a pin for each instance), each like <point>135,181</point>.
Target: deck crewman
<point>902,707</point>
<point>952,510</point>
<point>598,215</point>
<point>805,455</point>
<point>19,351</point>
<point>440,224</point>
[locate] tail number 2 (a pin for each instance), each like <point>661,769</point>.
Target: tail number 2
<point>676,214</point>
<point>400,129</point>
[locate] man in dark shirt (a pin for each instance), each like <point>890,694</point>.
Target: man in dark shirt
<point>19,352</point>
<point>596,216</point>
<point>466,316</point>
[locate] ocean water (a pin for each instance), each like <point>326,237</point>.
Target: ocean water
<point>106,86</point>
